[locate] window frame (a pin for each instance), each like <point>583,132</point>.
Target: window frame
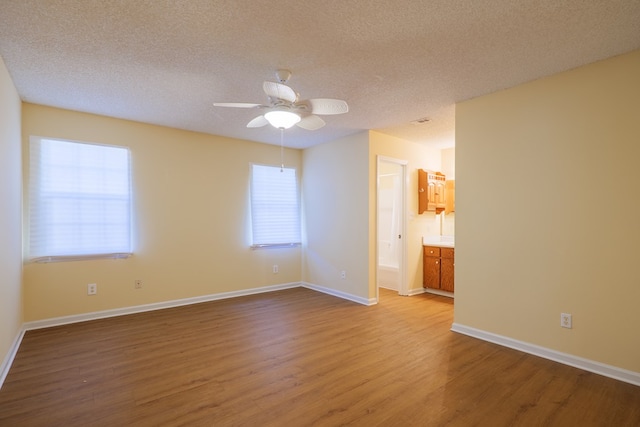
<point>285,243</point>
<point>79,252</point>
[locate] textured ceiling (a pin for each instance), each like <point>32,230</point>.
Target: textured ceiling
<point>394,61</point>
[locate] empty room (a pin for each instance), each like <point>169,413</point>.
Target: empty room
<point>251,213</point>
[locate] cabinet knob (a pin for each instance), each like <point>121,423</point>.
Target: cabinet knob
<point>436,262</point>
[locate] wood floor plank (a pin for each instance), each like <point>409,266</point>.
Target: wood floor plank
<point>297,358</point>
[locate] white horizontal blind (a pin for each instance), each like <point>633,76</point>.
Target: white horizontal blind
<point>79,199</point>
<point>275,209</point>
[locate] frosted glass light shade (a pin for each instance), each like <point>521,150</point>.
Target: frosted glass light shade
<point>282,119</point>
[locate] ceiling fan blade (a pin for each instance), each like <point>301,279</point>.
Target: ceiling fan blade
<point>280,91</point>
<point>311,122</point>
<point>257,122</point>
<point>327,106</point>
<point>235,104</point>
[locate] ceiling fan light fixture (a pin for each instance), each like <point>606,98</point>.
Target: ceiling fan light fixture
<point>282,119</point>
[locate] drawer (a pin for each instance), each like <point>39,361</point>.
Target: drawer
<point>447,252</point>
<point>431,251</point>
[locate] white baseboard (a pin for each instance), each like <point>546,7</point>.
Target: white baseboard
<point>420,291</point>
<point>57,321</point>
<point>8,360</point>
<point>340,294</point>
<point>564,358</point>
<point>439,292</point>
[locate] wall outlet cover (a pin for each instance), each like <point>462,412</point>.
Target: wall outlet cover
<point>565,320</point>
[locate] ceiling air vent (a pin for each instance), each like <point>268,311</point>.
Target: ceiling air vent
<point>421,121</point>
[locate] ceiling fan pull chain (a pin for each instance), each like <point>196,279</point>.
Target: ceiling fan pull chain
<point>281,150</point>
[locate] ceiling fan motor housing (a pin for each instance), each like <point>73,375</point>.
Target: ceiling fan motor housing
<point>286,110</point>
<point>283,76</point>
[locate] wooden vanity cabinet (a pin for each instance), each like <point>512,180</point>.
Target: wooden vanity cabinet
<point>446,269</point>
<point>431,273</point>
<point>438,271</point>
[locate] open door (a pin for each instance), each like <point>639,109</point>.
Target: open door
<point>391,268</point>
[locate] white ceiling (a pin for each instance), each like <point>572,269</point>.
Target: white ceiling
<point>393,61</point>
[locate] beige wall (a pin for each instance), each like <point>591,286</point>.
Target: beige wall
<point>191,229</point>
<point>339,190</point>
<point>10,214</point>
<point>540,168</point>
<point>336,215</point>
<point>189,239</point>
<point>448,156</point>
<point>418,157</point>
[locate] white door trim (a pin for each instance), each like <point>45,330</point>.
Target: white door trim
<point>402,264</point>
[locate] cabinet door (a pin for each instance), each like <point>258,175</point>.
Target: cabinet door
<point>422,191</point>
<point>450,196</point>
<point>431,196</point>
<point>440,195</point>
<point>446,274</point>
<point>431,272</point>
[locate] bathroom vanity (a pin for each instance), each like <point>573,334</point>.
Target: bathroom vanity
<point>438,264</point>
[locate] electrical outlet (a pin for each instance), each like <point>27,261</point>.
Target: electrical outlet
<point>565,320</point>
<point>275,268</point>
<point>92,289</point>
<point>343,274</point>
<point>137,284</point>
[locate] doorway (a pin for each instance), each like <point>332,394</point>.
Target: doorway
<point>391,226</point>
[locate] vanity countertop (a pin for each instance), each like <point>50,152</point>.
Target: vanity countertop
<point>440,241</point>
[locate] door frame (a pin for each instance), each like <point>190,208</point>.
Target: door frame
<point>403,287</point>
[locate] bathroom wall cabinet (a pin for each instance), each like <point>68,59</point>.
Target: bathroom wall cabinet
<point>431,191</point>
<point>450,196</point>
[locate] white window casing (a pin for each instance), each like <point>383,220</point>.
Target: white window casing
<point>275,207</point>
<point>79,201</point>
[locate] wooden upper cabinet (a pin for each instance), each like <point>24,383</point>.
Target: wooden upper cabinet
<point>431,191</point>
<point>450,195</point>
<point>423,198</point>
<point>439,201</point>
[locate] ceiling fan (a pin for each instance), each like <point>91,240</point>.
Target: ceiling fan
<point>285,109</point>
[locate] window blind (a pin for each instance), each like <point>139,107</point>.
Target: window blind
<point>275,208</point>
<point>79,200</point>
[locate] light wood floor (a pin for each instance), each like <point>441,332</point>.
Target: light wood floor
<point>297,358</point>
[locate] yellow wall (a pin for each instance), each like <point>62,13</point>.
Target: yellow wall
<point>540,168</point>
<point>10,214</point>
<point>418,157</point>
<point>191,229</point>
<point>449,162</point>
<point>339,191</point>
<point>336,215</point>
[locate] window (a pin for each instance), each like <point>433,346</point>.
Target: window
<point>275,210</point>
<point>79,200</point>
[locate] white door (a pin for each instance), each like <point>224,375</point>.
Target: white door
<point>391,225</point>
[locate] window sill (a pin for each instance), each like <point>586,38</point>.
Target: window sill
<point>63,258</point>
<point>275,245</point>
